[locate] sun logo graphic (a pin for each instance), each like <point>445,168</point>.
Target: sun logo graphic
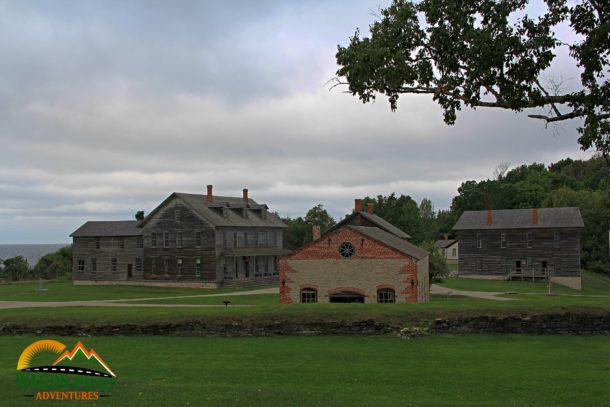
<point>48,370</point>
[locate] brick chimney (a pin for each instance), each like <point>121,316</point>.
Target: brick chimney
<point>210,195</point>
<point>370,207</point>
<point>535,216</point>
<point>358,205</point>
<point>446,236</point>
<point>245,195</point>
<point>315,232</point>
<point>490,219</point>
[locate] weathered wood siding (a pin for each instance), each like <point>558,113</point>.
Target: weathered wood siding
<point>562,256</point>
<point>85,250</point>
<point>188,224</point>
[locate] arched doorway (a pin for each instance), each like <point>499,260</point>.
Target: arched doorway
<point>347,296</point>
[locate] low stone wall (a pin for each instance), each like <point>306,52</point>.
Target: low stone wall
<point>543,324</point>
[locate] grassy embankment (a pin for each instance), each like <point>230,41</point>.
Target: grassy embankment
<point>442,370</point>
<point>529,298</point>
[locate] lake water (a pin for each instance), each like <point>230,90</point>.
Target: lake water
<point>32,252</point>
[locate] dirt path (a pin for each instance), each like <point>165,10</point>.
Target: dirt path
<point>133,302</point>
<point>272,290</point>
<point>437,289</point>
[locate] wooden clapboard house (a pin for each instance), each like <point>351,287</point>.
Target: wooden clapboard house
<point>521,244</point>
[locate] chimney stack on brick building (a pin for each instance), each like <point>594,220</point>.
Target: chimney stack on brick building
<point>370,208</point>
<point>358,205</point>
<point>245,195</point>
<point>489,217</point>
<point>315,232</point>
<point>535,216</point>
<point>210,195</point>
<point>446,236</point>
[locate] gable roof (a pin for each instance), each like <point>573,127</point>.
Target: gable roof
<point>521,219</point>
<point>445,243</point>
<point>391,240</point>
<point>108,228</point>
<point>373,219</point>
<point>206,210</point>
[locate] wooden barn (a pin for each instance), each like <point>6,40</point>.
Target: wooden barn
<point>363,259</point>
<point>188,240</point>
<point>521,244</point>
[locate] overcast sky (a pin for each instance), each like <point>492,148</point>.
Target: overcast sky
<point>107,107</point>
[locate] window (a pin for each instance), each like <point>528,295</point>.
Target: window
<point>454,252</point>
<point>97,242</point>
<point>528,238</point>
<point>153,240</point>
<point>197,239</point>
<point>81,265</point>
<point>153,265</point>
<point>166,239</point>
<point>198,267</point>
<point>479,241</point>
<point>556,239</point>
<point>177,214</point>
<point>139,265</point>
<point>234,239</point>
<point>273,238</point>
<point>309,295</point>
<point>113,264</point>
<point>503,240</point>
<point>385,296</point>
<point>444,252</point>
<point>179,239</point>
<point>93,264</point>
<point>166,265</point>
<point>140,242</point>
<point>179,267</point>
<point>346,250</point>
<point>121,243</point>
<point>261,239</point>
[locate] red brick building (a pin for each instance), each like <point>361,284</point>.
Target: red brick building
<point>363,258</point>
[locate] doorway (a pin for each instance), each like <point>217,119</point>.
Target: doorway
<point>347,297</point>
<point>129,271</point>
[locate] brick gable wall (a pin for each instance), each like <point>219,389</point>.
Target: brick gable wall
<point>374,266</point>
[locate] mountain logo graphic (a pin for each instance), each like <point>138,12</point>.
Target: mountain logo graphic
<point>78,361</point>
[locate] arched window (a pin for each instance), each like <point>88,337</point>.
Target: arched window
<point>386,296</point>
<point>309,295</point>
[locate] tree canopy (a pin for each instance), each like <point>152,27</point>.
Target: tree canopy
<point>486,53</point>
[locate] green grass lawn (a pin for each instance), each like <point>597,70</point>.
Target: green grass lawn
<point>443,370</point>
<point>267,308</point>
<point>66,291</point>
<point>592,284</point>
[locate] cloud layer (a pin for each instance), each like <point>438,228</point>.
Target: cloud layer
<point>107,109</point>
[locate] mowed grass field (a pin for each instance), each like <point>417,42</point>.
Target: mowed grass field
<point>442,370</point>
<point>527,298</point>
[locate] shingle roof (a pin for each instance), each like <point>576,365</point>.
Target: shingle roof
<point>375,220</point>
<point>443,244</point>
<point>205,209</point>
<point>391,240</point>
<point>521,219</point>
<point>108,228</point>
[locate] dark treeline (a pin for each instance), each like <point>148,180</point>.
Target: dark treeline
<point>583,184</point>
<point>54,265</point>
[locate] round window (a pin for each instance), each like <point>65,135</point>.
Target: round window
<point>346,250</point>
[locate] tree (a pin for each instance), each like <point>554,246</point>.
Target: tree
<point>437,264</point>
<point>481,53</point>
<point>319,216</point>
<point>54,265</point>
<point>16,268</point>
<point>139,215</point>
<point>299,231</point>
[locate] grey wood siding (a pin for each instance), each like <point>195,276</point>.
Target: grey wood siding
<point>562,256</point>
<point>188,224</point>
<point>109,248</point>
